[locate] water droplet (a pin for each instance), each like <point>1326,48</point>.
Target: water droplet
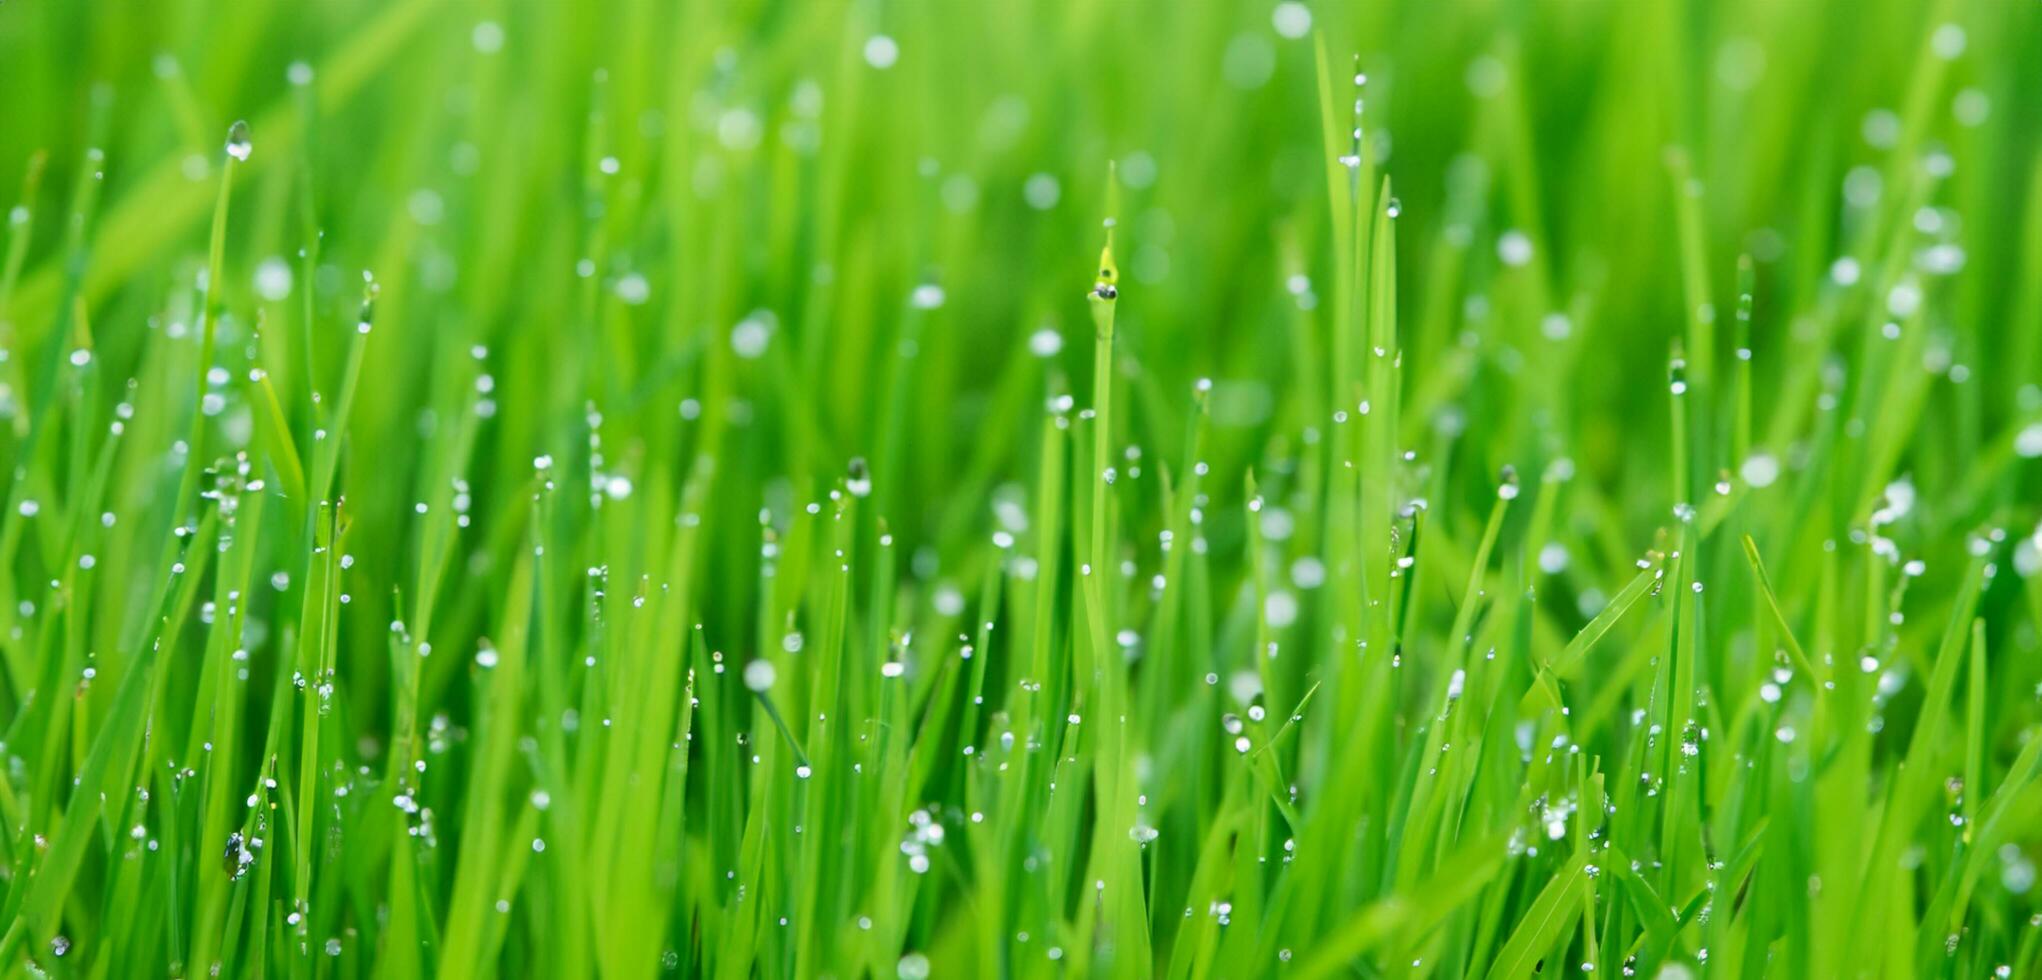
<point>1947,41</point>
<point>1041,191</point>
<point>860,482</point>
<point>273,279</point>
<point>1514,248</point>
<point>238,145</point>
<point>633,289</point>
<point>487,37</point>
<point>1291,19</point>
<point>881,51</point>
<point>1045,342</point>
<point>749,338</point>
<point>2028,442</point>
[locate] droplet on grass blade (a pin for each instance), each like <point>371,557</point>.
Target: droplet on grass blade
<point>369,290</point>
<point>238,144</point>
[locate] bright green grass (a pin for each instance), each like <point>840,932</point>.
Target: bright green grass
<point>738,531</point>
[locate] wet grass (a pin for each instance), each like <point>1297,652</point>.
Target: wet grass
<point>632,489</point>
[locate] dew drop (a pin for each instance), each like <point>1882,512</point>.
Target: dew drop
<point>881,51</point>
<point>238,145</point>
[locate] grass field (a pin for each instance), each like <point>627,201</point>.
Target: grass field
<point>1020,488</point>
